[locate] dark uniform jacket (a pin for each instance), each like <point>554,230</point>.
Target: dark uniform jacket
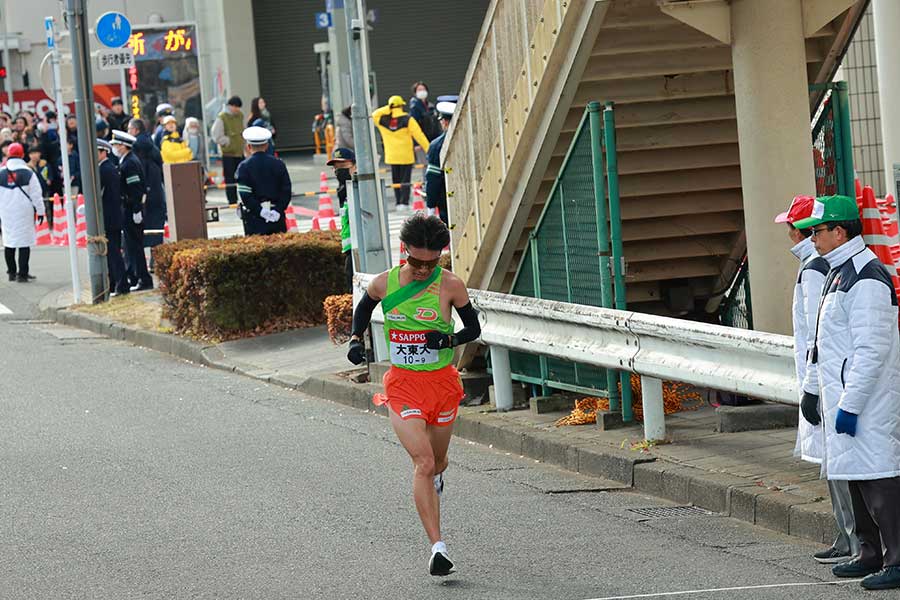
<point>111,192</point>
<point>262,178</point>
<point>155,208</point>
<point>132,184</point>
<point>435,186</point>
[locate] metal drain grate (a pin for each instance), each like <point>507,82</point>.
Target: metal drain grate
<point>670,512</point>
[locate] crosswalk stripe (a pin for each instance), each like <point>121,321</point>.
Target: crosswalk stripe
<point>4,310</point>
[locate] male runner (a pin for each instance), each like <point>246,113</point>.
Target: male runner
<point>423,388</point>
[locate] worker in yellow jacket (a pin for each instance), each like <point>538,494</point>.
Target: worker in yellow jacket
<point>173,148</point>
<point>398,130</point>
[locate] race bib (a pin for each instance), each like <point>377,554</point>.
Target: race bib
<point>408,349</point>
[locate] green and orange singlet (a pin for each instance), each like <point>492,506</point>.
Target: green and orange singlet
<point>406,325</point>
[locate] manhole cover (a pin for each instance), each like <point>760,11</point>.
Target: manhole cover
<point>670,512</point>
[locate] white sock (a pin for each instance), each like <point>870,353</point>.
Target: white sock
<point>439,547</point>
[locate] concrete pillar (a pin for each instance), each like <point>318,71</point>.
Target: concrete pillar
<point>240,50</point>
<point>886,17</point>
<point>773,117</point>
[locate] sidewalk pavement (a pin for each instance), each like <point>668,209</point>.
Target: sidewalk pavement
<point>748,475</point>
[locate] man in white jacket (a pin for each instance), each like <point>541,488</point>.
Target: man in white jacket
<point>21,199</point>
<point>810,437</point>
<point>854,366</point>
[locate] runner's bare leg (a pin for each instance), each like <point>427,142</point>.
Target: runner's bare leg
<point>440,442</point>
<point>413,437</point>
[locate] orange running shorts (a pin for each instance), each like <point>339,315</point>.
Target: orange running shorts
<point>433,396</point>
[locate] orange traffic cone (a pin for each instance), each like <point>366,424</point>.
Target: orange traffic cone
<point>418,198</point>
<point>316,226</point>
<point>60,233</point>
<point>167,237</point>
<point>42,233</point>
<point>326,213</point>
<point>874,235</point>
<point>323,182</point>
<point>80,224</point>
<point>403,253</point>
<point>290,218</point>
<point>888,208</point>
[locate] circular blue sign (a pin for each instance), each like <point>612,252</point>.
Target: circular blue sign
<point>113,29</point>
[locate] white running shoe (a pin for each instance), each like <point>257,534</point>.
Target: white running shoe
<point>439,484</point>
<point>440,565</point>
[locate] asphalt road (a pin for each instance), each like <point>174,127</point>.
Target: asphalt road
<point>129,474</point>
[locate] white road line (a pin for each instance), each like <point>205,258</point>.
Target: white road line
<point>4,310</point>
<point>729,589</point>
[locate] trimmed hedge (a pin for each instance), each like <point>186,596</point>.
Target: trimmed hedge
<point>230,288</point>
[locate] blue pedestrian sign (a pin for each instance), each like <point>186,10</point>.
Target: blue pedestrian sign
<point>323,20</point>
<point>113,29</point>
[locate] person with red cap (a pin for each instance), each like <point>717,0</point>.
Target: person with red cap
<point>20,199</point>
<point>810,436</point>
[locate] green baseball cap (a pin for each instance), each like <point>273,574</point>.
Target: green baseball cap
<point>829,209</point>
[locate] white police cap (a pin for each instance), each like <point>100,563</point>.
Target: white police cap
<point>163,108</point>
<point>446,109</point>
<point>120,137</point>
<point>257,136</point>
<point>104,145</point>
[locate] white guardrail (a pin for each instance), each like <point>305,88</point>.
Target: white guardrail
<point>754,363</point>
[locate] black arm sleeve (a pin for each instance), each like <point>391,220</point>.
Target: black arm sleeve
<point>471,327</point>
<point>362,315</point>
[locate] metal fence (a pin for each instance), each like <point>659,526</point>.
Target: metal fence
<point>572,253</point>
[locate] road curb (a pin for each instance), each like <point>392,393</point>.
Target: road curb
<point>728,495</point>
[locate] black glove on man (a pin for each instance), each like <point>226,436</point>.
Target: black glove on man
<point>435,340</point>
<point>809,406</point>
<point>357,352</point>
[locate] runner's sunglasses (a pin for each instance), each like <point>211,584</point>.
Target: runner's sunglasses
<point>422,264</point>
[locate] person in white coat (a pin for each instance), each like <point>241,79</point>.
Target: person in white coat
<point>854,366</point>
<point>810,437</point>
<point>20,199</point>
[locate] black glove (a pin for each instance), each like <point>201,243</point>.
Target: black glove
<point>435,340</point>
<point>357,352</point>
<point>809,406</point>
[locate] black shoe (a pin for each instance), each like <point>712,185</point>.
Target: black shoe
<point>25,278</point>
<point>440,565</point>
<point>831,555</point>
<point>854,568</point>
<point>12,276</point>
<point>885,579</point>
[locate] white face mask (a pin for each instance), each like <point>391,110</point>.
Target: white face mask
<point>117,149</point>
<point>422,94</point>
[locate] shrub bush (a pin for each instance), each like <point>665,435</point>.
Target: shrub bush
<point>224,289</point>
<point>339,315</point>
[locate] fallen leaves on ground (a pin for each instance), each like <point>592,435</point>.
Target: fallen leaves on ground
<point>677,397</point>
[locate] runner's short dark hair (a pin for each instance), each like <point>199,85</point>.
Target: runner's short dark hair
<point>420,231</point>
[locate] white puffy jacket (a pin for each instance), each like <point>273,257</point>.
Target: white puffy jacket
<point>855,365</point>
<point>20,200</point>
<point>807,294</point>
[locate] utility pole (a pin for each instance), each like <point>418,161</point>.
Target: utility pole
<point>374,239</point>
<point>64,155</point>
<point>87,149</point>
<point>7,82</point>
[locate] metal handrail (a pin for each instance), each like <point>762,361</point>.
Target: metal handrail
<point>754,363</point>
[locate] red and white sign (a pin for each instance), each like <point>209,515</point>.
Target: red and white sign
<point>37,101</point>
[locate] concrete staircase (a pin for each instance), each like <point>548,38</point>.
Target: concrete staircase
<point>537,64</point>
